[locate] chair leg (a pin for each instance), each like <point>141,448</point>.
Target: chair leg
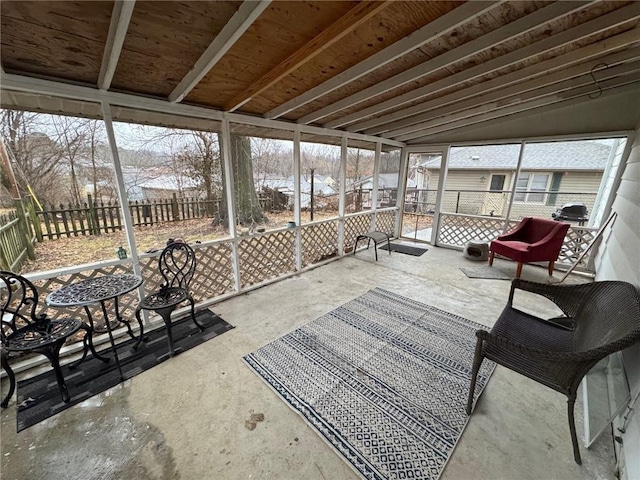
<point>519,270</point>
<point>572,427</point>
<point>53,354</point>
<point>193,313</point>
<point>141,335</point>
<point>12,378</point>
<point>551,264</point>
<point>165,313</point>
<point>477,361</point>
<point>491,259</point>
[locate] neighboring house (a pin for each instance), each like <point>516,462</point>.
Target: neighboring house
<point>322,187</point>
<point>156,183</point>
<point>479,177</point>
<point>387,189</point>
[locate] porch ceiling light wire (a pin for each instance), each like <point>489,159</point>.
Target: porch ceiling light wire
<point>595,82</point>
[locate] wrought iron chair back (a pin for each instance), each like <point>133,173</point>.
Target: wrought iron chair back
<point>19,301</point>
<point>24,330</point>
<point>177,264</point>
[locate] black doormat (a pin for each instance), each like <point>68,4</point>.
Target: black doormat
<point>39,397</point>
<point>407,249</point>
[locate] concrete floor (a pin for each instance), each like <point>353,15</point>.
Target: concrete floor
<point>205,415</point>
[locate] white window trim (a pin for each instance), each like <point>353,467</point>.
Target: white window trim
<point>527,191</point>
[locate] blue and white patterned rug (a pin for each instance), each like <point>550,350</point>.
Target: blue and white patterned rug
<point>384,379</point>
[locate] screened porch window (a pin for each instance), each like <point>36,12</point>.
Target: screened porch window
<point>531,187</point>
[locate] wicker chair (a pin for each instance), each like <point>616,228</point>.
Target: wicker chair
<point>600,318</point>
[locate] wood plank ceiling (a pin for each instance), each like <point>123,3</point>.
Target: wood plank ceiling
<point>400,69</point>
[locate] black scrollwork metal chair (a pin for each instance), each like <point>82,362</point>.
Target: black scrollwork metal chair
<point>600,318</point>
<point>25,331</point>
<point>177,264</point>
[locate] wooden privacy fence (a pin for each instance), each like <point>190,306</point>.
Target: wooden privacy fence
<point>20,229</point>
<point>94,218</point>
<point>16,238</point>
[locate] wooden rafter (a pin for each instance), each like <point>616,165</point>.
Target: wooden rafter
<point>605,22</point>
<point>440,26</point>
<point>614,86</point>
<point>520,80</point>
<point>511,30</point>
<point>348,22</point>
<point>232,31</point>
<point>120,18</point>
<point>499,100</point>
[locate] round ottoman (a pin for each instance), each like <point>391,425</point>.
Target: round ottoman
<point>476,250</point>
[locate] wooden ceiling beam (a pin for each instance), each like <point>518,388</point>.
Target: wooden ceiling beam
<point>120,18</point>
<point>497,101</point>
<point>500,35</point>
<point>247,13</point>
<point>615,85</point>
<point>424,111</point>
<point>348,22</point>
<point>425,120</point>
<point>527,114</point>
<point>625,14</point>
<point>440,26</point>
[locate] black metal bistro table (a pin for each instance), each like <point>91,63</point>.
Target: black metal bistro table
<point>99,290</point>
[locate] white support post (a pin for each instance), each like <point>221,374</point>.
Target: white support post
<point>225,148</point>
<point>297,216</point>
<point>374,191</point>
<point>442,181</point>
<point>400,196</point>
<point>343,193</point>
<point>514,181</point>
<point>122,190</point>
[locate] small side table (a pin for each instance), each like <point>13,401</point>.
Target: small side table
<point>99,290</point>
<point>476,250</point>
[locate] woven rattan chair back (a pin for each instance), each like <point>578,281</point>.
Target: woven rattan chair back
<point>607,321</point>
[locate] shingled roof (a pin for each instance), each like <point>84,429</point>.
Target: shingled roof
<point>562,156</point>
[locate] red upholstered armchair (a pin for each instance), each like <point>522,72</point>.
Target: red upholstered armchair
<point>533,240</point>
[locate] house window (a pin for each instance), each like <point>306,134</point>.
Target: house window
<point>531,187</point>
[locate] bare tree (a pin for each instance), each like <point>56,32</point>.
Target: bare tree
<point>36,157</point>
<point>71,136</point>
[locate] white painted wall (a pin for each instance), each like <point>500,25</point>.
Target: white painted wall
<point>618,258</point>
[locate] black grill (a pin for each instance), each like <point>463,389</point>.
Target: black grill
<point>573,212</point>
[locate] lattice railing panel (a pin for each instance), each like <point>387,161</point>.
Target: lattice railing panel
<point>354,226</point>
<point>127,303</point>
<point>386,222</point>
<point>457,230</point>
<point>319,242</point>
<point>213,276</point>
<point>266,256</point>
<point>575,242</point>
